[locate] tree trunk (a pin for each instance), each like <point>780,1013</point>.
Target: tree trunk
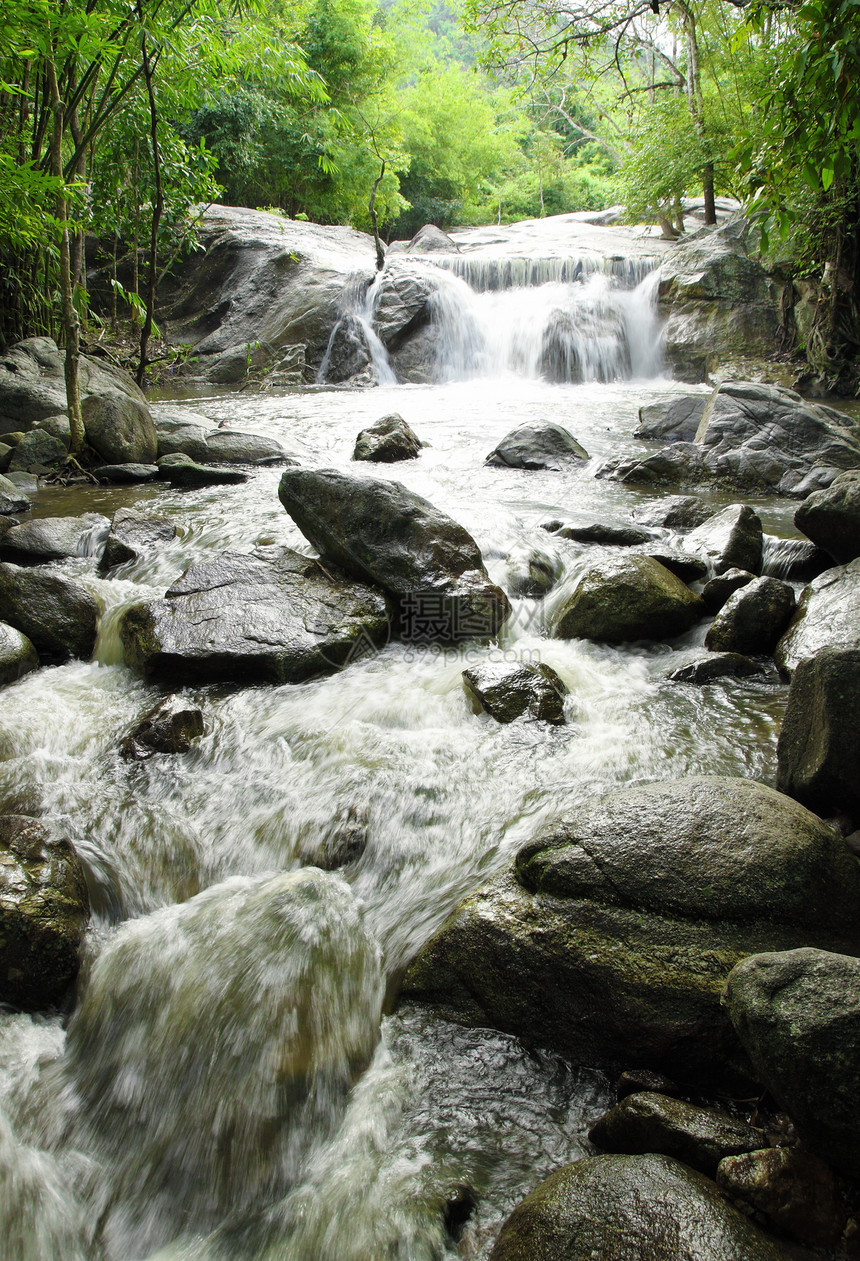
<point>157,211</point>
<point>697,107</point>
<point>380,252</point>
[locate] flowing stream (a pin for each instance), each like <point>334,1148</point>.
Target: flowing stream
<point>233,1083</point>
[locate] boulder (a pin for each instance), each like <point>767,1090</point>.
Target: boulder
<point>796,1193</point>
<point>54,538</point>
<point>627,598</point>
<point>182,433</point>
<point>17,655</point>
<point>60,617</point>
<point>183,472</point>
<point>793,560</point>
<point>628,1208</point>
<point>132,535</point>
<point>673,512</point>
<point>431,240</point>
<point>169,727</point>
<point>675,420</point>
<point>380,532</point>
<point>252,620</point>
<point>634,1081</point>
<point>342,843</point>
<point>126,474</point>
<point>605,534</point>
<point>44,910</point>
<point>716,665</point>
<point>753,618</point>
<point>530,571</point>
<point>540,446</point>
<point>797,1013</point>
<point>828,616</point>
<point>388,441</point>
<point>610,937</point>
<point>229,446</point>
<point>37,451</point>
<point>681,564</point>
<point>507,690</point>
<point>348,353</point>
<point>818,754</point>
<point>570,337</point>
<point>416,361</point>
<point>730,539</point>
<point>681,465</point>
<point>402,302</point>
<point>831,517</point>
<point>717,590</point>
<point>12,500</point>
<point>651,1122</point>
<point>33,386</point>
<point>57,427</point>
<point>120,428</point>
<point>6,453</point>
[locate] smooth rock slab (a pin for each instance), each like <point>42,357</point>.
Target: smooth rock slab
<point>54,538</point>
<point>753,618</point>
<point>828,616</point>
<point>133,534</point>
<point>60,617</point>
<point>388,441</point>
<point>17,655</point>
<point>545,446</point>
<point>831,517</point>
<point>126,474</point>
<point>180,470</point>
<point>633,597</point>
<point>245,619</point>
<point>675,420</point>
<point>229,446</point>
<point>629,1208</point>
<point>797,1013</point>
<point>731,539</point>
<point>44,909</point>
<point>507,690</point>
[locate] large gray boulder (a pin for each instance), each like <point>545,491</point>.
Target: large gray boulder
<point>54,538</point>
<point>247,619</point>
<point>387,441</point>
<point>134,534</point>
<point>120,428</point>
<point>831,517</point>
<point>230,446</point>
<point>12,499</point>
<point>37,452</point>
<point>610,937</point>
<point>626,598</point>
<point>44,910</point>
<point>181,432</point>
<point>17,655</point>
<point>541,446</point>
<point>382,533</point>
<point>33,387</point>
<point>507,689</point>
<point>59,616</point>
<point>403,302</point>
<point>753,618</point>
<point>828,616</point>
<point>797,1012</point>
<point>630,1208</point>
<point>675,420</point>
<point>730,539</point>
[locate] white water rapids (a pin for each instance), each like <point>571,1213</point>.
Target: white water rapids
<point>227,1087</point>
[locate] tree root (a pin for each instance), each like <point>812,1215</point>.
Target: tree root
<point>70,471</point>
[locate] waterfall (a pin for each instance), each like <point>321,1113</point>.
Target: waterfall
<point>354,340</point>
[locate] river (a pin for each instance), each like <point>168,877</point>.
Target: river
<point>233,1083</point>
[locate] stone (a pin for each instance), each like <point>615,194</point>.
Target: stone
<point>183,472</point>
<point>730,539</point>
<point>59,616</point>
<point>628,1208</point>
<point>797,1194</point>
<point>608,535</point>
<point>831,517</point>
<point>6,453</point>
<point>818,753</point>
<point>797,1013</point>
<point>540,446</point>
<point>610,937</point>
<point>12,500</point>
<point>37,450</point>
<point>753,618</point>
<point>717,590</point>
<point>402,305</point>
<point>716,665</point>
<point>33,387</point>
<point>44,910</point>
<point>26,482</point>
<point>682,465</point>
<point>564,354</point>
<point>126,474</point>
<point>651,1122</point>
<point>348,354</point>
<point>793,560</point>
<point>532,572</point>
<point>229,446</point>
<point>54,538</point>
<point>629,598</point>
<point>681,564</point>
<point>828,616</point>
<point>253,620</point>
<point>508,690</point>
<point>169,727</point>
<point>134,534</point>
<point>57,427</point>
<point>17,655</point>
<point>343,842</point>
<point>387,441</point>
<point>431,240</point>
<point>120,428</point>
<point>635,1080</point>
<point>181,433</point>
<point>380,532</point>
<point>673,512</point>
<point>674,420</point>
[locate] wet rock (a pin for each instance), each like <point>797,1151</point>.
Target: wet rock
<point>831,517</point>
<point>11,499</point>
<point>416,360</point>
<point>674,512</point>
<point>246,619</point>
<point>608,535</point>
<point>58,427</point>
<point>26,482</point>
<point>507,690</point>
<point>169,727</point>
<point>681,564</point>
<point>126,474</point>
<point>343,843</point>
<point>627,1208</point>
<point>44,909</point>
<point>120,428</point>
<point>753,618</point>
<point>59,616</point>
<point>5,456</point>
<point>566,332</point>
<point>388,441</point>
<point>132,535</point>
<point>716,592</point>
<point>818,754</point>
<point>797,1013</point>
<point>793,560</point>
<point>33,387</point>
<point>380,532</point>
<point>828,616</point>
<point>635,1080</point>
<point>37,450</point>
<point>716,665</point>
<point>680,465</point>
<point>229,446</point>
<point>541,446</point>
<point>54,538</point>
<point>797,1193</point>
<point>182,433</point>
<point>610,938</point>
<point>402,307</point>
<point>731,539</point>
<point>182,471</point>
<point>651,1122</point>
<point>674,420</point>
<point>431,240</point>
<point>633,597</point>
<point>17,655</point>
<point>532,572</point>
<point>348,353</point>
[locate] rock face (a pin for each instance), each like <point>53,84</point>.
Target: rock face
<point>753,618</point>
<point>59,616</point>
<point>44,909</point>
<point>796,1192</point>
<point>54,538</point>
<point>798,1015</point>
<point>676,420</point>
<point>380,532</point>
<point>507,690</point>
<point>828,616</point>
<point>831,517</point>
<point>634,597</point>
<point>387,442</point>
<point>243,618</point>
<point>120,428</point>
<point>730,539</point>
<point>545,446</point>
<point>716,592</point>
<point>169,727</point>
<point>133,534</point>
<point>818,754</point>
<point>32,383</point>
<point>37,452</point>
<point>627,1208</point>
<point>17,655</point>
<point>611,937</point>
